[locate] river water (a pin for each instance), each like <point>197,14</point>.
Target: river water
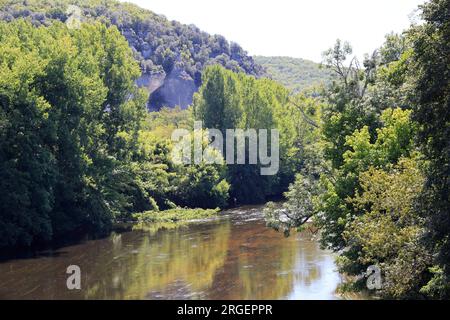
<point>234,257</point>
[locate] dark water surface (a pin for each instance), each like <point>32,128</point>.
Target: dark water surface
<point>235,257</point>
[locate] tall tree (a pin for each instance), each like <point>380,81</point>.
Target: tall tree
<point>69,118</point>
<point>228,100</point>
<point>432,111</point>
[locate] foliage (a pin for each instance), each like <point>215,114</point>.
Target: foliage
<point>297,209</point>
<point>295,74</point>
<point>174,215</point>
<point>393,141</point>
<point>366,158</point>
<point>165,182</point>
<point>77,149</point>
<point>163,122</point>
<point>67,128</point>
<point>228,100</point>
<point>431,65</point>
<point>154,221</point>
<point>378,201</point>
<point>389,230</point>
<point>161,47</point>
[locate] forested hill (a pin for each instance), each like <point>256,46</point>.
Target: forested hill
<point>172,55</point>
<point>296,74</point>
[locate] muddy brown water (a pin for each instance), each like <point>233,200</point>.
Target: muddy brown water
<point>234,257</point>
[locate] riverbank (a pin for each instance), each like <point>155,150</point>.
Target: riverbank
<point>234,257</point>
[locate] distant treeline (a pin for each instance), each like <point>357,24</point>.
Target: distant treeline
<point>294,73</point>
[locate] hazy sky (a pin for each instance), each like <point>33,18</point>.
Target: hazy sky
<point>296,28</point>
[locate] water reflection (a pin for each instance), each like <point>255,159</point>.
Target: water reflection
<point>232,258</point>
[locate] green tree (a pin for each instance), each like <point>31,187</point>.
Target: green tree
<point>388,232</point>
<point>431,65</point>
<point>70,114</point>
<point>392,141</point>
<point>228,100</point>
<point>218,103</point>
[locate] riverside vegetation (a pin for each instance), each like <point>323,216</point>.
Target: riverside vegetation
<point>365,158</point>
<point>378,184</point>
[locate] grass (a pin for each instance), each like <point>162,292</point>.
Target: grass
<point>175,215</point>
<point>153,221</point>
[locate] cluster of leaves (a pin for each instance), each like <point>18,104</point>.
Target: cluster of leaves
<point>174,215</point>
<point>388,230</point>
<point>382,195</point>
<point>154,221</point>
<point>164,182</point>
<point>298,208</point>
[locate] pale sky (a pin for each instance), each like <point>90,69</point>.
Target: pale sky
<point>296,28</point>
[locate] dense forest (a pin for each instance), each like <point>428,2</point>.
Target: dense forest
<point>75,151</point>
<point>171,55</point>
<point>79,150</point>
<point>365,158</point>
<point>294,73</point>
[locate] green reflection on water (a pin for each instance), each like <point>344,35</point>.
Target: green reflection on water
<point>223,259</point>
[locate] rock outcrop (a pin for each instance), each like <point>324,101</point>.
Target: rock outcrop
<point>171,55</point>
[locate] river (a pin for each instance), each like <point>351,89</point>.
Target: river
<point>234,257</point>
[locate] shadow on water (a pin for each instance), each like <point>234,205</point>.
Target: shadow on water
<point>235,257</point>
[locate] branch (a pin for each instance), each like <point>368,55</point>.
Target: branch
<point>350,68</point>
<point>328,171</point>
<point>305,116</point>
<point>299,221</point>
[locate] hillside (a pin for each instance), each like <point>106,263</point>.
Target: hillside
<point>171,55</point>
<point>296,74</point>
